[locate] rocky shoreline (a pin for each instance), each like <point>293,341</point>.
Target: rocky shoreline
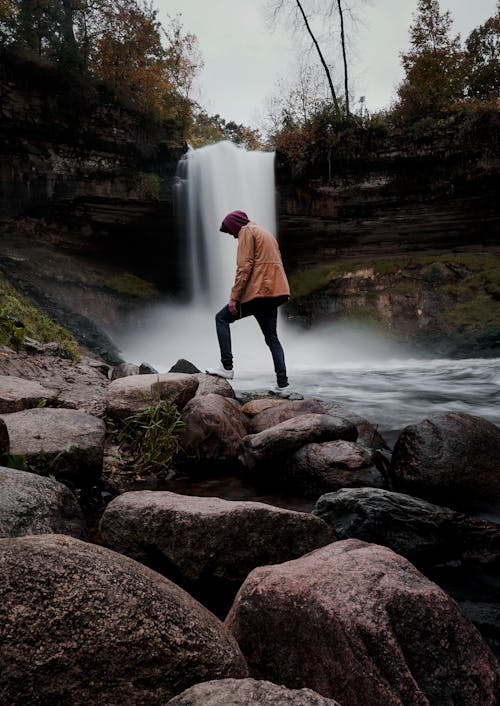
<point>387,592</point>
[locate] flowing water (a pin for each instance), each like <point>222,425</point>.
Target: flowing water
<point>346,364</point>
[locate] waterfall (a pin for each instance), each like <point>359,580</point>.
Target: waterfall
<point>218,179</point>
<point>213,181</point>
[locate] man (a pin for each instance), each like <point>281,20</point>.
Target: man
<point>260,286</point>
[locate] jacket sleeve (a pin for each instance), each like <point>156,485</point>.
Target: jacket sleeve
<point>244,263</point>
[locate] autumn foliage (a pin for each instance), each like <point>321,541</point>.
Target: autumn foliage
<point>120,42</point>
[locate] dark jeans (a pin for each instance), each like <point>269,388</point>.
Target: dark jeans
<point>266,313</point>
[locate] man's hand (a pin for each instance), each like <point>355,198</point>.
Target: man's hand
<point>232,305</point>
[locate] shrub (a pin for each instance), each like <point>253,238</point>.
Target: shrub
<point>148,440</point>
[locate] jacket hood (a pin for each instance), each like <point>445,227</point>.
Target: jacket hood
<point>233,222</point>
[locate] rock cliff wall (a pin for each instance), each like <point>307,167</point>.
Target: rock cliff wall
<point>395,229</point>
<point>80,169</point>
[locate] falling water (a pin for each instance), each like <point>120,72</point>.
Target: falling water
<point>336,362</point>
<point>221,178</point>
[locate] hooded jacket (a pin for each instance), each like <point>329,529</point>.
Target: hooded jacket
<point>259,268</point>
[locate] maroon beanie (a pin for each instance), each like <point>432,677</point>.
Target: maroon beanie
<point>233,222</point>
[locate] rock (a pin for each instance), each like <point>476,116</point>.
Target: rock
<point>450,458</point>
<point>30,504</point>
<point>84,625</point>
<point>254,406</point>
<point>426,534</point>
<point>211,384</point>
<point>4,438</point>
<point>77,385</point>
<point>17,394</point>
<point>135,393</point>
<point>280,441</point>
<point>205,544</point>
<point>368,433</point>
<point>320,468</point>
<point>458,552</point>
<point>247,692</point>
<point>214,430</point>
<point>358,623</point>
<point>58,441</point>
<point>267,412</point>
<point>124,370</point>
<point>147,369</point>
<point>184,366</point>
<point>272,414</point>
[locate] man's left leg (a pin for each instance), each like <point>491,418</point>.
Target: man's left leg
<point>266,314</point>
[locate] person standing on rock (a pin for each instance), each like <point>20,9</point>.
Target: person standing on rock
<point>260,287</point>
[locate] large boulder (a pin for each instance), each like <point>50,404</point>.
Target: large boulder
<point>213,432</point>
<point>17,394</point>
<point>358,623</point>
<point>59,442</point>
<point>77,385</point>
<point>206,544</point>
<point>129,395</point>
<point>267,412</point>
<point>450,458</point>
<point>247,692</point>
<point>30,504</point>
<point>319,468</point>
<point>279,442</point>
<point>84,625</point>
<point>271,412</point>
<point>459,552</point>
<point>425,533</point>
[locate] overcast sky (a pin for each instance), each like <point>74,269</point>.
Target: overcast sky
<point>244,57</point>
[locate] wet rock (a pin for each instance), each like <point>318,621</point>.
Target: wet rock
<point>206,544</point>
<point>58,441</point>
<point>450,458</point>
<point>17,394</point>
<point>124,370</point>
<point>82,624</point>
<point>279,442</point>
<point>368,433</point>
<point>358,623</point>
<point>184,366</point>
<point>271,414</point>
<point>267,412</point>
<point>135,393</point>
<point>147,369</point>
<point>211,384</point>
<point>248,692</point>
<point>30,504</point>
<point>214,430</point>
<point>321,468</point>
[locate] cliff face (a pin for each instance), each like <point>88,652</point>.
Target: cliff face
<point>79,169</point>
<point>393,229</point>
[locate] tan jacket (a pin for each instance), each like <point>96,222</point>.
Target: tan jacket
<point>259,268</point>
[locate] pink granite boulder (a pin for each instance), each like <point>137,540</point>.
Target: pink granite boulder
<point>358,623</point>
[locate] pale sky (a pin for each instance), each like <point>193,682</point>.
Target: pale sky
<point>244,57</point>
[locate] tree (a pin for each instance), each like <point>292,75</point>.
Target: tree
<point>278,6</point>
<point>207,129</point>
<point>434,77</point>
<point>482,61</point>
